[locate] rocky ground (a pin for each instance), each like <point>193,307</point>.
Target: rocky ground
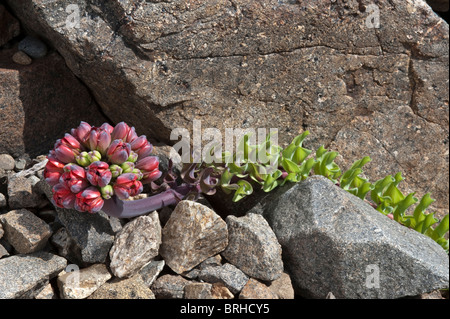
<point>189,251</point>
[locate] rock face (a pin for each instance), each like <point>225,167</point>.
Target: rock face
<point>192,234</point>
<point>135,245</point>
<point>325,66</point>
<point>253,247</point>
<point>29,98</point>
<point>334,242</point>
<point>9,26</point>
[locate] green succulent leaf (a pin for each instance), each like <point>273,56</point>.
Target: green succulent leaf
<point>244,189</point>
<point>272,181</point>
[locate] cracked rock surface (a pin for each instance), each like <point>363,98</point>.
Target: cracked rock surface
<point>322,66</point>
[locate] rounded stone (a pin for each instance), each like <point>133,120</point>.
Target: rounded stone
<point>34,47</point>
<point>6,162</point>
<point>21,58</point>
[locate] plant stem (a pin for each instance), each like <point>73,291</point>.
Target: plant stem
<point>115,207</point>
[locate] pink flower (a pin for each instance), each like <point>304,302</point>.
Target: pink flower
<point>127,185</point>
<point>90,200</point>
<point>81,133</point>
<point>74,178</point>
<point>63,197</point>
<point>99,139</point>
<point>107,127</point>
<point>141,146</point>
<point>98,174</point>
<point>67,148</point>
<point>53,170</point>
<point>118,152</point>
<point>123,132</point>
<point>149,168</point>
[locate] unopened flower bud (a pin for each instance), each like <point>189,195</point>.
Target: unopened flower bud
<point>133,157</point>
<point>94,156</point>
<point>127,167</point>
<point>83,159</point>
<point>107,191</point>
<point>116,170</point>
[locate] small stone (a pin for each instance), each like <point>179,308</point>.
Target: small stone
<point>253,247</point>
<point>198,290</point>
<point>6,162</point>
<point>135,245</point>
<point>66,246</point>
<point>82,283</point>
<point>219,291</point>
<point>129,288</point>
<point>21,194</point>
<point>1,230</point>
<point>34,47</point>
<point>233,278</point>
<point>21,58</point>
<point>3,251</point>
<point>193,233</point>
<point>151,271</point>
<point>3,202</point>
<point>25,231</point>
<point>25,275</point>
<point>46,293</point>
<point>254,289</point>
<point>330,296</point>
<point>169,287</point>
<point>282,287</point>
<point>20,164</point>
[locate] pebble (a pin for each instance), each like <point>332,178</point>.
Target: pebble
<point>33,46</point>
<point>6,162</point>
<point>169,287</point>
<point>3,202</point>
<point>23,275</point>
<point>227,274</point>
<point>25,231</point>
<point>151,271</point>
<point>255,289</point>
<point>129,288</point>
<point>80,284</point>
<point>21,58</point>
<point>282,287</point>
<point>135,245</point>
<point>20,164</point>
<point>21,193</point>
<point>192,234</point>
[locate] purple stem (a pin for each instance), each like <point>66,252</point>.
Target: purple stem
<point>115,207</point>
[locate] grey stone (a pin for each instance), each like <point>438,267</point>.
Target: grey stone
<point>21,193</point>
<point>92,233</point>
<point>33,46</point>
<point>228,274</point>
<point>46,293</point>
<point>20,164</point>
<point>151,271</point>
<point>80,284</point>
<point>169,287</point>
<point>253,247</point>
<point>198,290</point>
<point>25,231</point>
<point>135,245</point>
<point>23,275</point>
<point>193,233</point>
<point>6,162</point>
<point>66,246</point>
<point>129,288</point>
<point>333,241</point>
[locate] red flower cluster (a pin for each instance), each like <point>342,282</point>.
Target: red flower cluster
<point>92,164</point>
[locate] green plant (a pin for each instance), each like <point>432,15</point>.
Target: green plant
<point>295,163</point>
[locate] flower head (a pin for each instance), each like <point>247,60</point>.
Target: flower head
<point>123,132</point>
<point>74,178</point>
<point>53,170</point>
<point>81,133</point>
<point>63,196</point>
<point>141,146</point>
<point>149,167</point>
<point>67,148</point>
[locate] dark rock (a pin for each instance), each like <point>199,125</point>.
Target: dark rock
<point>227,274</point>
<point>33,47</point>
<point>9,26</point>
<point>333,241</point>
<point>169,287</point>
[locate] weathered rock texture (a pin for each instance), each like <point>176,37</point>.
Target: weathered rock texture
<point>42,98</point>
<point>334,242</point>
<point>9,26</point>
<point>325,66</point>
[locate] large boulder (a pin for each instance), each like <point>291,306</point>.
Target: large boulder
<point>377,70</point>
<point>334,242</point>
